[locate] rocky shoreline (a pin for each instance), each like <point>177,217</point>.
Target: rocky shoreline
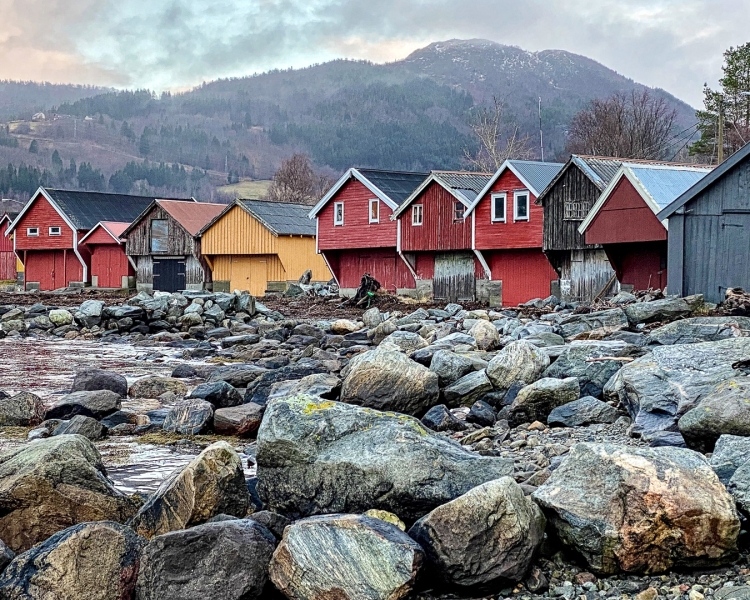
<point>554,450</point>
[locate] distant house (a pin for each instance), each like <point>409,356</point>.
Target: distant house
<point>624,222</point>
<point>110,266</point>
<point>508,227</point>
<point>355,233</point>
<point>251,243</point>
<point>8,260</point>
<point>47,232</point>
<point>709,232</point>
<point>163,242</point>
<point>435,237</point>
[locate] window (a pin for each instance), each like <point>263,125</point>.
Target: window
<point>32,231</point>
<point>374,211</point>
<point>458,211</point>
<point>55,231</point>
<point>521,206</point>
<point>498,207</point>
<point>576,211</point>
<point>159,235</point>
<point>416,214</point>
<point>338,213</point>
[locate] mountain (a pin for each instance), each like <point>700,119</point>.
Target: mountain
<point>21,99</point>
<point>409,114</point>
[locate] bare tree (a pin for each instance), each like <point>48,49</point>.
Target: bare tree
<point>496,145</point>
<point>635,125</point>
<point>296,181</point>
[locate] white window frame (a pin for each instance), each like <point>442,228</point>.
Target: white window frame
<point>462,218</point>
<point>376,203</point>
<point>32,232</point>
<point>516,194</point>
<point>504,197</point>
<point>415,212</point>
<point>55,230</point>
<point>336,220</point>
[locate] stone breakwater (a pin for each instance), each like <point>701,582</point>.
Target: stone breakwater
<point>547,451</point>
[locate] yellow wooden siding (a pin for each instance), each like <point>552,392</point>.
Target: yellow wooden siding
<point>238,233</point>
<point>19,265</point>
<point>297,254</point>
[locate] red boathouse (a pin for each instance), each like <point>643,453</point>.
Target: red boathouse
<point>355,232</point>
<point>7,256</point>
<point>110,267</point>
<point>508,229</point>
<point>624,221</point>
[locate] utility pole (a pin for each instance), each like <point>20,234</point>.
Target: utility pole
<point>541,135</point>
<point>721,129</point>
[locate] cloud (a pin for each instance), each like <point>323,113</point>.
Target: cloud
<point>674,44</point>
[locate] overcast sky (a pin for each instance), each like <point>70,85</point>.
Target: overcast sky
<point>163,44</point>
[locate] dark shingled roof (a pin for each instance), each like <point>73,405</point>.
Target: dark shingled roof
<point>282,218</point>
<point>86,209</point>
<point>397,185</point>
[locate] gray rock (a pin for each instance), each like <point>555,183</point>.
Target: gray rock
<point>95,561</point>
<point>60,317</point>
<point>468,389</point>
<point>91,380</point>
<point>153,387</point>
<point>418,315</point>
<point>729,454</point>
<point>184,371</point>
<point>657,310</point>
<point>97,404</point>
<point>189,417</point>
<point>482,414</point>
<point>450,367</point>
<point>726,410</point>
<point>536,401</point>
<point>640,510</point>
<point>212,483</point>
<point>575,324</point>
<point>439,418</point>
<point>545,339</point>
<point>240,421</point>
<point>485,334</point>
<point>700,329</point>
<point>6,555</point>
<point>496,545</point>
<point>404,341</point>
<point>389,380</point>
<point>372,317</point>
<point>367,459</point>
<point>274,522</point>
<point>238,376</point>
<point>222,560</point>
<point>22,410</point>
<point>660,387</point>
<point>519,361</point>
<point>323,385</point>
<point>259,390</point>
<point>739,487</point>
<point>365,559</point>
<point>85,426</point>
<point>219,393</point>
<point>455,340</point>
<point>584,411</point>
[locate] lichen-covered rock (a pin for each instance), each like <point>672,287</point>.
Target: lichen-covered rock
<point>389,380</point>
<point>573,325</point>
<point>726,410</point>
<point>212,483</point>
<point>95,561</point>
<point>347,557</point>
<point>6,555</point>
<point>730,453</point>
<point>60,317</point>
<point>519,361</point>
<point>189,417</point>
<point>485,334</point>
<point>241,421</point>
<point>490,534</point>
<point>657,310</point>
<point>450,367</point>
<point>22,410</point>
<point>536,401</point>
<point>468,389</point>
<point>92,380</point>
<point>226,560</point>
<point>404,341</point>
<point>52,484</point>
<point>640,510</point>
<point>96,404</point>
<point>700,329</point>
<point>153,387</point>
<point>365,459</point>
<point>584,411</point>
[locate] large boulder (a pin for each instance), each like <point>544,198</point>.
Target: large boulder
<point>219,393</point>
<point>60,317</point>
<point>613,318</point>
<point>95,404</point>
<point>726,410</point>
<point>485,334</point>
<point>584,411</point>
<point>519,361</point>
<point>92,380</point>
<point>739,487</point>
<point>259,390</point>
<point>22,410</point>
<point>730,453</point>
<point>450,367</point>
<point>238,376</point>
<point>468,389</point>
<point>640,510</point>
<point>405,341</point>
<point>660,387</point>
<point>389,380</point>
<point>85,426</point>
<point>364,459</point>
<point>536,401</point>
<point>439,418</point>
<point>666,309</point>
<point>700,329</point>
<point>212,483</point>
<point>153,387</point>
<point>52,484</point>
<point>95,561</point>
<point>189,417</point>
<point>242,421</point>
<point>227,560</point>
<point>364,559</point>
<point>497,543</point>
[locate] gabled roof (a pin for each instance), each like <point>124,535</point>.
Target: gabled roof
<point>83,210</point>
<point>113,228</point>
<point>463,185</point>
<point>280,218</point>
<point>657,184</point>
<point>737,158</point>
<point>392,187</point>
<point>191,216</point>
<point>534,175</point>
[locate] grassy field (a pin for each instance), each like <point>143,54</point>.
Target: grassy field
<point>249,190</point>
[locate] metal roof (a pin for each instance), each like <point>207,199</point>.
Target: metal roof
<point>664,184</point>
<point>599,170</point>
<point>537,174</point>
<point>397,185</point>
<point>113,228</point>
<point>193,216</point>
<point>282,218</point>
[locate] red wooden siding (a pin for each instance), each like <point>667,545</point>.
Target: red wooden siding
<point>383,264</point>
<point>7,256</point>
<point>43,215</point>
<point>52,269</point>
<point>642,265</point>
<point>625,217</point>
<point>526,274</point>
<point>438,230</point>
<point>6,243</point>
<point>357,231</point>
<point>520,234</point>
<point>109,263</point>
<point>100,236</point>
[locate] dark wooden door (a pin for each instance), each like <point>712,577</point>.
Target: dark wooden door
<point>735,252</point>
<point>454,279</point>
<point>169,274</point>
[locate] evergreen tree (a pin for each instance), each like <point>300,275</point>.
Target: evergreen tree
<point>57,162</point>
<point>34,147</point>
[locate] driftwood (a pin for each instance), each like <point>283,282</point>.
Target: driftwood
<point>368,287</point>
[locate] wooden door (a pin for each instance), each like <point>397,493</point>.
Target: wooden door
<point>735,253</point>
<point>169,274</point>
<point>7,266</point>
<point>454,278</point>
<point>249,274</point>
<point>590,273</point>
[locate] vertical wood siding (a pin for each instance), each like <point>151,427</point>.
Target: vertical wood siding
<point>521,234</point>
<point>642,265</point>
<point>6,243</point>
<point>144,273</point>
<point>109,264</point>
<point>43,215</point>
<point>438,230</point>
<point>357,231</point>
<point>383,264</point>
<point>180,242</point>
<point>7,256</point>
<point>526,274</point>
<point>561,234</point>
<point>101,237</point>
<point>584,274</point>
<point>52,269</point>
